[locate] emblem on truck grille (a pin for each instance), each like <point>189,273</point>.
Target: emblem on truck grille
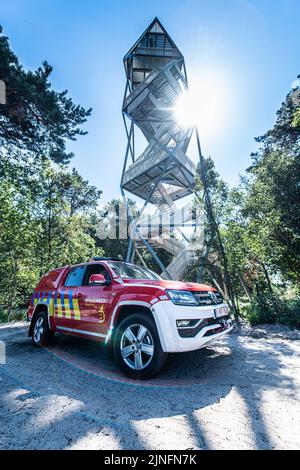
<point>213,297</point>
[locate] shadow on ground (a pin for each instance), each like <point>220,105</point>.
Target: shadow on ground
<point>72,396</point>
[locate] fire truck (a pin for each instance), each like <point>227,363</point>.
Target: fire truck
<point>135,312</point>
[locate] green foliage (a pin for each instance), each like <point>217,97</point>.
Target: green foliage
<point>296,118</point>
<point>18,314</point>
<point>284,135</point>
<point>46,212</point>
<point>16,243</point>
<point>36,118</point>
<point>273,199</point>
<point>109,236</point>
<point>259,222</point>
<point>41,230</point>
<point>164,256</point>
<point>274,308</point>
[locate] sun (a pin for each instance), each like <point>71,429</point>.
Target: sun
<point>205,104</point>
<point>186,110</point>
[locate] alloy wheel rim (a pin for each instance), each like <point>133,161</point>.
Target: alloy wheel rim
<point>137,346</point>
<point>38,329</point>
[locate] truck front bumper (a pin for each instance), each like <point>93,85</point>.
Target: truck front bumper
<point>208,328</point>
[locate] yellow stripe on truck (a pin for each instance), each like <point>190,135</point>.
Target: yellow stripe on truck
<point>51,307</point>
<point>67,308</point>
<point>76,309</point>
<point>59,306</point>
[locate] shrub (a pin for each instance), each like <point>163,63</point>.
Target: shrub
<point>273,308</point>
<point>18,314</point>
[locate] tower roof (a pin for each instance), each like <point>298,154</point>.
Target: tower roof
<point>154,40</point>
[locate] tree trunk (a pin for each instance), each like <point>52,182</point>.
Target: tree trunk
<point>267,276</point>
<point>245,287</point>
<point>219,288</point>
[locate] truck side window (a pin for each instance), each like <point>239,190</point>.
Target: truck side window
<point>75,277</point>
<point>95,269</point>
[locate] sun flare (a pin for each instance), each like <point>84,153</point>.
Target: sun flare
<point>204,105</point>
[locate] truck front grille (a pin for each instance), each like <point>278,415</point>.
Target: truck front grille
<point>208,298</point>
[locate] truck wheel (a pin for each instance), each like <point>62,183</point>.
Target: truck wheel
<point>41,333</point>
<point>137,348</point>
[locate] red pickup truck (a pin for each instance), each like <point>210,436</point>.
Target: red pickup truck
<point>142,316</point>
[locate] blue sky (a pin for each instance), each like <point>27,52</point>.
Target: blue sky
<point>248,50</point>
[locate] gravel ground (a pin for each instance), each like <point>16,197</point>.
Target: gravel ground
<point>240,393</point>
<point>266,331</point>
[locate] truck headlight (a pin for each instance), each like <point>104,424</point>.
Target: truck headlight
<point>182,297</point>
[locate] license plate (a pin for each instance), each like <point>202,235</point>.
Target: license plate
<point>221,312</point>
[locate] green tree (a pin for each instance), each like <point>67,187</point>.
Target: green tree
<point>63,206</point>
<point>213,261</point>
<point>38,230</point>
<point>36,119</point>
<point>112,228</point>
<point>18,274</point>
<point>273,204</point>
<point>273,199</point>
<point>46,212</point>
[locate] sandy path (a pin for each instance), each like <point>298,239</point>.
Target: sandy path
<point>241,393</point>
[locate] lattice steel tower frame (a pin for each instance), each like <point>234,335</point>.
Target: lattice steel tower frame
<point>163,173</point>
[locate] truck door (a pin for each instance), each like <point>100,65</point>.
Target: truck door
<point>94,302</point>
<point>66,307</point>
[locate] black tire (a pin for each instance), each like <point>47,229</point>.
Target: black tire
<point>151,364</point>
<point>45,335</point>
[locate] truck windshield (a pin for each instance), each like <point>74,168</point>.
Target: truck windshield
<point>132,271</point>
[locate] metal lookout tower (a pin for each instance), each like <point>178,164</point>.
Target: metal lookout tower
<point>163,173</point>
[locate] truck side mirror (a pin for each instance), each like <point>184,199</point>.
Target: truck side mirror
<point>97,280</point>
